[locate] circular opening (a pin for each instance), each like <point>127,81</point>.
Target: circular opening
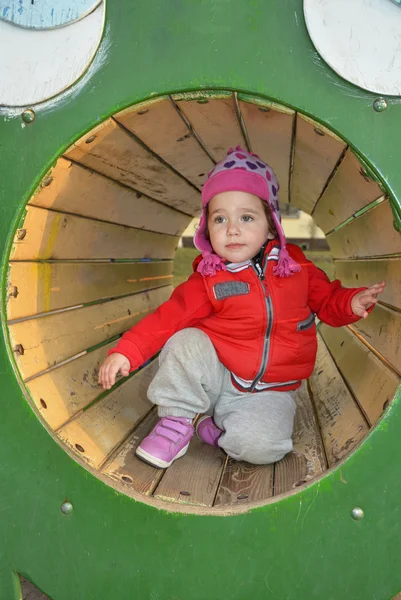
<point>110,215</point>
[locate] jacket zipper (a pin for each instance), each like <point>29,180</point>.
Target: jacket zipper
<point>269,311</point>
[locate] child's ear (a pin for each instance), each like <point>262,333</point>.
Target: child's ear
<point>270,236</point>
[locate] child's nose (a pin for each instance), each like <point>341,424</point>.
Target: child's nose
<point>232,228</point>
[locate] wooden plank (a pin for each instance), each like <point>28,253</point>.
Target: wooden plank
<point>41,343</point>
<point>316,153</point>
<point>355,273</point>
<point>214,119</point>
<point>194,478</point>
<point>47,234</point>
<point>341,422</point>
<point>61,393</point>
<point>69,187</point>
<point>128,469</point>
<point>372,383</point>
<point>270,136</point>
<point>95,433</point>
<point>243,483</point>
<point>110,150</point>
<point>371,234</point>
<point>356,189</point>
<point>307,460</point>
<point>160,127</point>
<point>382,331</point>
<point>42,287</point>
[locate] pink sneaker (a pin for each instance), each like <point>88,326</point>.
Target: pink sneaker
<point>207,431</point>
<point>168,441</point>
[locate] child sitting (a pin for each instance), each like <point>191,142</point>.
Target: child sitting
<point>239,335</point>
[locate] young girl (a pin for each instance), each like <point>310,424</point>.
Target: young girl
<point>239,335</point>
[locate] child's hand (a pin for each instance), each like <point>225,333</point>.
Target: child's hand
<point>363,300</point>
<point>112,365</point>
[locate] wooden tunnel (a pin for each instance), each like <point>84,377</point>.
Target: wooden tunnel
<point>93,255</point>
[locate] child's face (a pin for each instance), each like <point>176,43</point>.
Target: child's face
<point>237,225</point>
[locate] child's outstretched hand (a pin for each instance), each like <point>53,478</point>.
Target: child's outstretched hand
<point>112,365</point>
<point>363,300</point>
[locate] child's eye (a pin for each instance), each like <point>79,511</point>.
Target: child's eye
<point>247,218</point>
<point>219,219</point>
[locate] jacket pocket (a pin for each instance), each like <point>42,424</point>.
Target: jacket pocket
<point>306,323</point>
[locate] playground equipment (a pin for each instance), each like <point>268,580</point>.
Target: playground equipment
<point>98,184</point>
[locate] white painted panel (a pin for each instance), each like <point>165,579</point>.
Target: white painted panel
<point>360,40</point>
<point>45,14</point>
<point>37,65</point>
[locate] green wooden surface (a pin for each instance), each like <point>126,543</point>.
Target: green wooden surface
<point>305,546</point>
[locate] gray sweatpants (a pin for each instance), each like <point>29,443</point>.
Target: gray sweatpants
<point>191,379</point>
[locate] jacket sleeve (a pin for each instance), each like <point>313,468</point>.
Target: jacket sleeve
<point>328,299</point>
<point>189,303</point>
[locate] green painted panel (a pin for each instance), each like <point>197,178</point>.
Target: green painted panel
<point>304,547</point>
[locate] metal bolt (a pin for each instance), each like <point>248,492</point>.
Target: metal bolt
<point>90,139</point>
<point>67,508</point>
<point>202,101</point>
<point>21,233</point>
<point>318,131</point>
<point>28,116</point>
<point>19,349</point>
<point>357,513</point>
<point>47,181</point>
<point>380,104</point>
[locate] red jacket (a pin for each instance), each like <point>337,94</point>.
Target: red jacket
<point>262,327</point>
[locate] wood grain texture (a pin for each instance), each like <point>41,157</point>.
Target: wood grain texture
<point>215,122</point>
<point>341,422</point>
<point>355,273</point>
<point>372,383</point>
<point>128,469</point>
<point>197,474</point>
<point>356,189</point>
<point>46,341</point>
<point>63,392</point>
<point>382,331</point>
<point>95,433</point>
<point>110,150</point>
<point>307,460</point>
<point>35,287</point>
<point>243,482</point>
<point>69,187</point>
<point>316,153</point>
<point>270,136</point>
<point>51,235</point>
<point>160,127</point>
<point>355,239</point>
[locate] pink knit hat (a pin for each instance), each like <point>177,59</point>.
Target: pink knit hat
<point>241,171</point>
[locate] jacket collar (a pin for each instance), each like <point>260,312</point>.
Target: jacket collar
<point>272,252</point>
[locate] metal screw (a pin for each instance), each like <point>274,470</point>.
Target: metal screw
<point>19,349</point>
<point>202,101</point>
<point>90,139</point>
<point>380,104</point>
<point>67,508</point>
<point>318,131</point>
<point>28,116</point>
<point>21,233</point>
<point>357,513</point>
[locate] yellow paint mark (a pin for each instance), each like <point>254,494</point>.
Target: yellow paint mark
<point>55,289</point>
<point>44,287</point>
<point>153,278</point>
<point>116,320</point>
<point>51,237</point>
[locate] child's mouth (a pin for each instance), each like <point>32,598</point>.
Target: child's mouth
<point>234,246</point>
